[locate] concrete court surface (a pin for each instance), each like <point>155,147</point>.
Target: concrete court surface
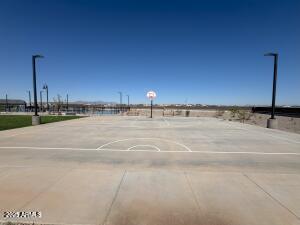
<point>137,171</point>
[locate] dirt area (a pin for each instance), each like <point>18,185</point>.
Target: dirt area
<point>289,124</point>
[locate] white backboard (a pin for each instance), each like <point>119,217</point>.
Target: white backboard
<point>151,95</point>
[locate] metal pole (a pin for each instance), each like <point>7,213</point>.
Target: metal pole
<point>274,85</point>
<point>120,97</point>
<point>29,98</point>
<point>41,98</point>
<point>45,87</point>
<point>67,102</point>
<point>128,100</point>
<point>47,99</point>
<point>34,86</point>
<point>6,103</point>
<point>151,108</point>
<point>29,95</point>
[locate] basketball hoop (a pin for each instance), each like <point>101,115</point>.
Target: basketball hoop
<point>151,95</point>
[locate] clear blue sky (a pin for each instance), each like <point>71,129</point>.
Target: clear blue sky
<point>208,52</point>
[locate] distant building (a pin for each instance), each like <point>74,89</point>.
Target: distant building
<point>12,105</point>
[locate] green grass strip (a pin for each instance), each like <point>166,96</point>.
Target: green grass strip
<point>17,121</point>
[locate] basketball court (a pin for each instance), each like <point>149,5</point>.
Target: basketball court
<point>136,170</point>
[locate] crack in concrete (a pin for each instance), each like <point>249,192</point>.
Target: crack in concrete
<point>192,191</point>
<point>115,197</point>
<point>271,196</point>
<point>45,189</point>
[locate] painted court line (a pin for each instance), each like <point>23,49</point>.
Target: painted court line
<point>132,139</point>
<point>152,146</point>
<point>148,150</point>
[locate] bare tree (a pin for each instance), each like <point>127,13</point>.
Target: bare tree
<point>58,102</point>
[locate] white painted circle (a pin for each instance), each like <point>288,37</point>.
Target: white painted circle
<point>151,95</point>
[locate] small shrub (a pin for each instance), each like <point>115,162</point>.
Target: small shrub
<point>233,112</point>
<point>244,115</point>
<point>178,112</point>
<point>219,113</point>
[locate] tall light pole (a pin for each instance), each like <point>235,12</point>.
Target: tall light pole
<point>121,96</point>
<point>272,123</point>
<point>35,119</point>
<point>41,99</point>
<point>127,100</point>
<point>45,87</point>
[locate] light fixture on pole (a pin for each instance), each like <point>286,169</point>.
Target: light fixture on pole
<point>272,122</point>
<point>151,95</point>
